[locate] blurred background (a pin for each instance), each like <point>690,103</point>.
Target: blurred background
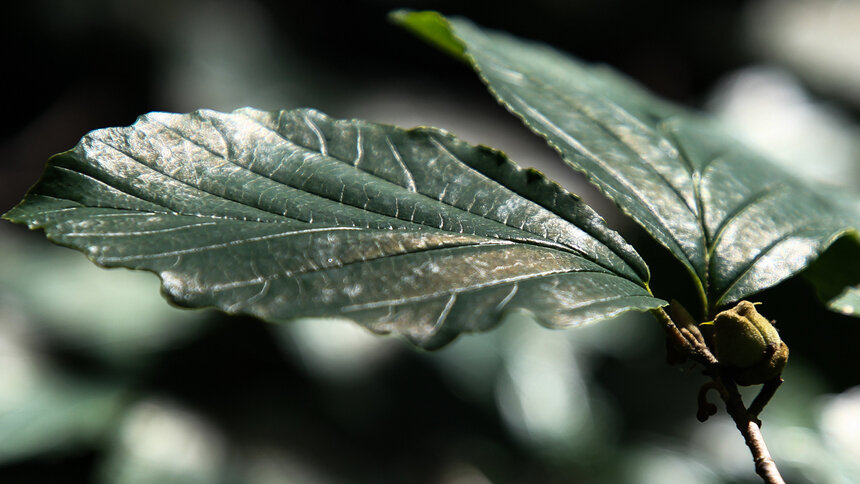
<point>101,381</point>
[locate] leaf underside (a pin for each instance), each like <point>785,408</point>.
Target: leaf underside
<point>847,302</point>
<point>738,223</point>
<point>836,276</point>
<point>293,214</point>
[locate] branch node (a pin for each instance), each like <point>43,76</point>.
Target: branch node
<point>686,341</point>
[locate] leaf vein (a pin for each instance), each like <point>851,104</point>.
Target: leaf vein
<point>222,245</point>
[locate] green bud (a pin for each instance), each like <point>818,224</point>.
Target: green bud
<point>747,343</point>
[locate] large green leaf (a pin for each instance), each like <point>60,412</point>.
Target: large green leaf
<point>290,214</point>
<point>738,223</point>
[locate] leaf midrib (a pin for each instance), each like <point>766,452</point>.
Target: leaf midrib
<point>703,284</point>
<point>280,275</point>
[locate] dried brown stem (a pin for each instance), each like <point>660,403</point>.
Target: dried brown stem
<point>749,427</point>
<point>765,467</point>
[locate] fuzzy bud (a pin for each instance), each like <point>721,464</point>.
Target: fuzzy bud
<point>747,343</point>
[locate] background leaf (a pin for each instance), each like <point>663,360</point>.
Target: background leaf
<point>289,214</point>
<point>836,276</point>
<point>738,223</point>
<point>847,302</point>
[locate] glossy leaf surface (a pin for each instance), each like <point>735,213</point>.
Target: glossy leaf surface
<point>738,223</point>
<point>292,214</point>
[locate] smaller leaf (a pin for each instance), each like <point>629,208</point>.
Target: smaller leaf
<point>836,276</point>
<point>737,222</point>
<point>848,302</point>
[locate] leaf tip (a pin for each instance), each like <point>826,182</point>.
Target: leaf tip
<point>13,215</point>
<point>432,27</point>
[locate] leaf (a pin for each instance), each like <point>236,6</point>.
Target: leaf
<point>738,223</point>
<point>848,302</point>
<point>836,276</point>
<point>293,214</point>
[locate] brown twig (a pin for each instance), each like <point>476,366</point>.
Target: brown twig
<point>764,395</point>
<point>750,428</point>
<point>689,342</point>
<point>685,341</point>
